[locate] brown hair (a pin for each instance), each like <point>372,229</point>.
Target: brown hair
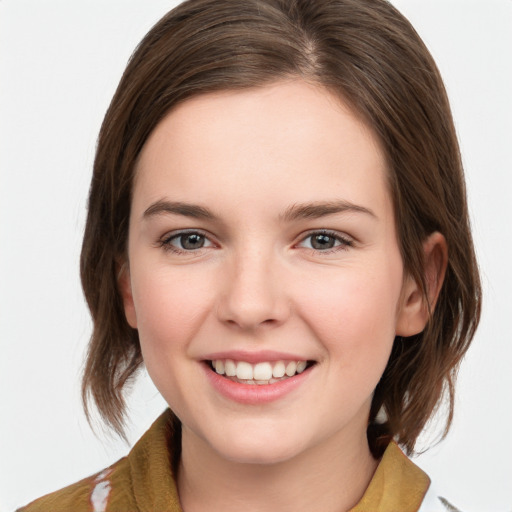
<point>362,50</point>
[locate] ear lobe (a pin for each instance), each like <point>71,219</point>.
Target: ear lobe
<point>415,311</point>
<point>125,289</point>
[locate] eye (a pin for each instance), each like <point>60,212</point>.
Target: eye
<point>185,241</point>
<point>325,241</point>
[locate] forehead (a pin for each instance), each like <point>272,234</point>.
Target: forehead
<point>294,139</point>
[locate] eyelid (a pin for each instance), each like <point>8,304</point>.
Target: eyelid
<point>345,240</point>
<point>165,240</point>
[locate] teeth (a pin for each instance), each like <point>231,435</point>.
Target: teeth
<point>244,371</point>
<point>219,367</point>
<point>279,370</point>
<point>291,368</point>
<point>263,371</point>
<point>260,373</point>
<point>229,368</point>
<point>301,366</point>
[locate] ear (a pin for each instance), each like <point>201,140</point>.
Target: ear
<point>414,311</point>
<point>125,289</point>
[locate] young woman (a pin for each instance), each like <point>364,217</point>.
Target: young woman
<point>278,230</point>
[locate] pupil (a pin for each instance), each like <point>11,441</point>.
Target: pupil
<point>322,242</point>
<point>192,241</point>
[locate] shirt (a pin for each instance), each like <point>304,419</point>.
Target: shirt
<point>144,482</point>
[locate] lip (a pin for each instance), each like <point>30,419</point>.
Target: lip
<point>254,357</point>
<point>253,394</point>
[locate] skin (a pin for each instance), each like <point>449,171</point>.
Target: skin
<point>251,158</point>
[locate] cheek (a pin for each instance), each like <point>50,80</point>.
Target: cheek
<point>170,308</point>
<point>355,315</point>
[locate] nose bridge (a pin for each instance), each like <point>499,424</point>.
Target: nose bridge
<point>252,294</point>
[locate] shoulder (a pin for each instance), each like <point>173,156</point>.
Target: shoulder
<point>143,480</point>
<point>88,494</point>
<point>398,484</point>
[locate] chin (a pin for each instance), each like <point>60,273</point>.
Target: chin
<point>260,447</point>
<point>257,453</point>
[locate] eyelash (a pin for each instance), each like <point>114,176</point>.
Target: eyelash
<point>344,242</point>
<point>166,241</point>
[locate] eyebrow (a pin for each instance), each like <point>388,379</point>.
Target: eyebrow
<point>178,208</point>
<point>321,209</point>
<point>298,211</point>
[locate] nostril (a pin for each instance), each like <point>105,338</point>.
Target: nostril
<point>252,303</point>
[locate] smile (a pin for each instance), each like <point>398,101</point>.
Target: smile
<point>262,373</point>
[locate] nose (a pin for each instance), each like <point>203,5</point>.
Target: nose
<point>253,293</point>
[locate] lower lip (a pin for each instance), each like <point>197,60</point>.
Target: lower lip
<point>254,394</point>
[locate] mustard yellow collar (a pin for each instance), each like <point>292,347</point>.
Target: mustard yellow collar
<point>397,485</point>
<point>144,481</point>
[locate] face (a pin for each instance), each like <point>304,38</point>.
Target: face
<point>264,275</point>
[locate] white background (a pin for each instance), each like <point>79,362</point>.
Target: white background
<point>60,62</point>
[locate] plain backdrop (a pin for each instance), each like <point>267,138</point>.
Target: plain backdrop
<point>60,62</point>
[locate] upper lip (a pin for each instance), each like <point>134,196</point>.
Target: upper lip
<point>254,357</point>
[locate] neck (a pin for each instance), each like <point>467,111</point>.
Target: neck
<point>331,476</point>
